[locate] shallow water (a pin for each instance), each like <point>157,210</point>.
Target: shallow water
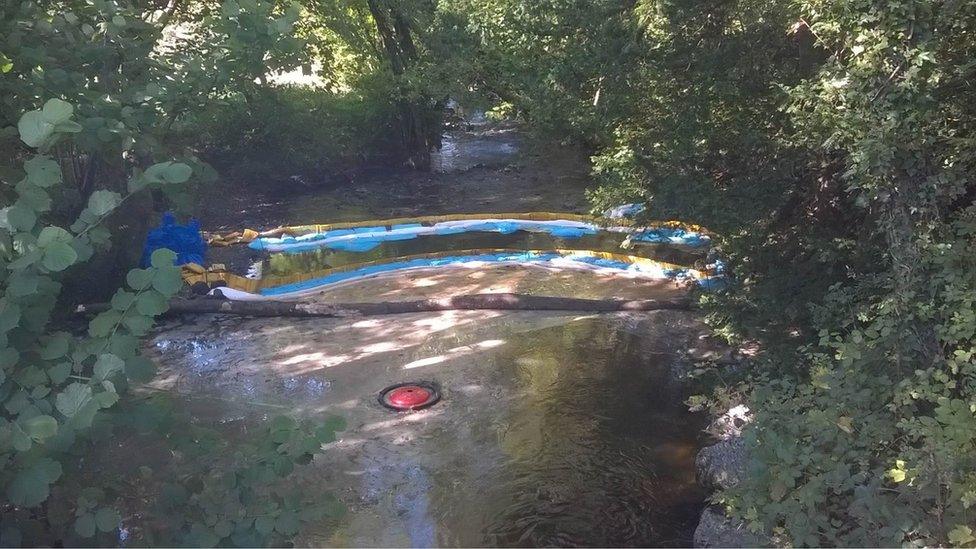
<point>530,279</point>
<point>553,430</point>
<point>573,438</point>
<point>463,151</point>
<point>489,169</point>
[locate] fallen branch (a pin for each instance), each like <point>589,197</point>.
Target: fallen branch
<point>501,302</point>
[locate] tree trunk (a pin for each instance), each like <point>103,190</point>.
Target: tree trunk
<point>397,40</point>
<point>500,302</point>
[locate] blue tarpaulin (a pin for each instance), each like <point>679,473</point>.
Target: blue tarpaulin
<point>185,240</point>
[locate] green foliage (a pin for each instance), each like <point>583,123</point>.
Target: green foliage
<point>293,131</point>
<point>103,84</point>
<point>219,493</point>
<point>882,403</point>
<point>831,143</point>
<point>53,385</point>
<point>56,388</point>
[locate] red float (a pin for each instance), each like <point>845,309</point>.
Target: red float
<point>409,396</point>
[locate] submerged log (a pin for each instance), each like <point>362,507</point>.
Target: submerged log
<point>502,302</point>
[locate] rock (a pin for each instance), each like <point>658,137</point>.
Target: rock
<point>721,466</point>
<point>730,424</point>
<point>717,530</point>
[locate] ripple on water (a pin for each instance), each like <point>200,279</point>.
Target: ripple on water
<point>574,437</point>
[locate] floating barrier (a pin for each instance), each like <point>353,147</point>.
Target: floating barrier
<point>294,286</point>
<point>669,235</point>
<point>365,236</point>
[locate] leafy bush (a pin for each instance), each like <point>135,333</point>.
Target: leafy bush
<point>831,143</point>
<point>59,390</point>
<point>98,151</point>
<point>294,131</point>
<point>53,385</point>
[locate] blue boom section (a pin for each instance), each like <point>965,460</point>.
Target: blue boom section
<point>666,235</point>
<point>513,257</point>
<point>363,239</point>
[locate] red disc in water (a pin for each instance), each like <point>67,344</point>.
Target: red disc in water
<point>408,397</point>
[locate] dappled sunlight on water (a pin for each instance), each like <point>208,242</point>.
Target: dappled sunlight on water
<point>554,429</point>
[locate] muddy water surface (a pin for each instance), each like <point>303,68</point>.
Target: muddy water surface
<point>554,428</point>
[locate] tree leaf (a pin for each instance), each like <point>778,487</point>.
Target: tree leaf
<point>59,374</point>
<point>51,234</point>
<point>70,401</point>
<point>58,256</point>
<point>264,525</point>
<point>102,202</point>
<point>287,523</point>
<point>168,172</point>
<point>31,486</point>
<point>162,258</point>
<point>961,536</point>
<point>85,525</point>
<point>107,519</point>
<point>55,346</point>
<point>103,323</point>
<point>9,315</point>
<point>22,284</point>
<point>33,196</point>
<point>40,428</point>
<point>107,365</point>
<point>34,129</point>
<point>19,439</point>
<point>152,303</point>
<point>137,323</point>
<point>122,300</point>
<point>20,217</point>
<point>43,171</point>
<point>8,358</point>
<point>896,475</point>
<point>56,111</point>
<point>167,281</point>
<point>6,65</point>
<point>139,279</point>
<point>107,398</point>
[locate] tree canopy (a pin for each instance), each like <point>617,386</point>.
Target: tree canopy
<point>831,144</point>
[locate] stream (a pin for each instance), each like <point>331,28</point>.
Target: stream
<point>553,428</point>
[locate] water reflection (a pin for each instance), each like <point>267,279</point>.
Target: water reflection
<point>569,440</point>
<point>554,429</point>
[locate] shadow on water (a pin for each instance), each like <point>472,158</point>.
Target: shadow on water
<point>554,429</point>
<point>570,435</point>
<point>488,169</point>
